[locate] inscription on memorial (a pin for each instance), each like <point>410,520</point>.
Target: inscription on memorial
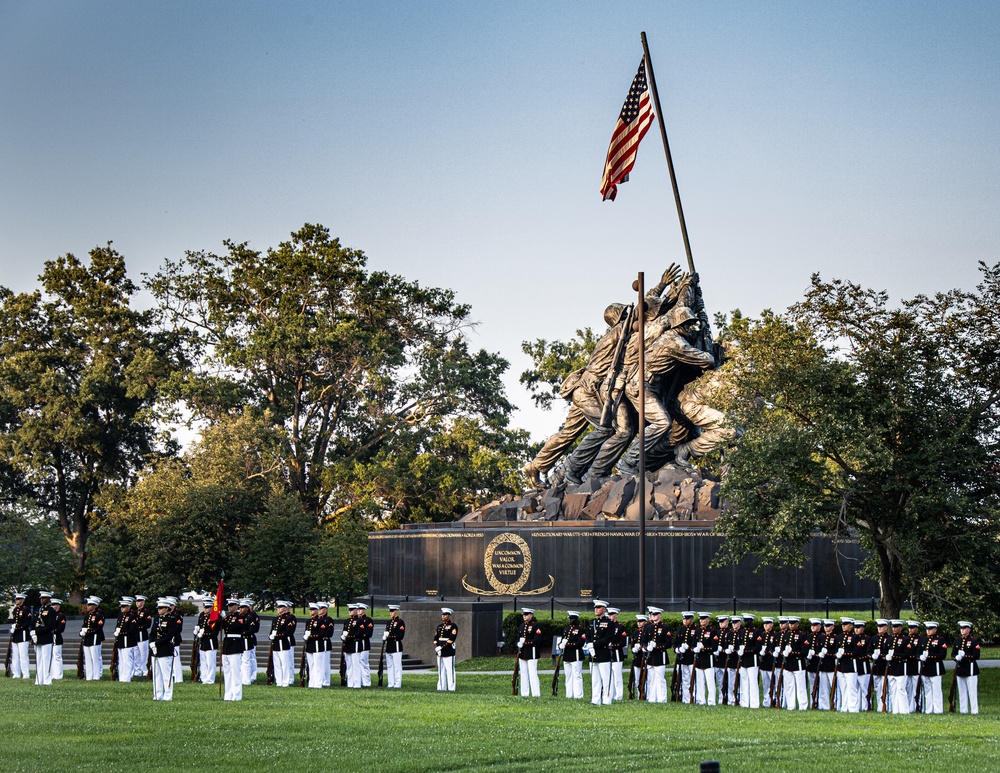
<point>507,565</point>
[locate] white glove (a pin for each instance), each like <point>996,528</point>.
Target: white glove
<point>34,636</point>
<point>558,645</point>
<point>876,654</point>
<point>888,655</point>
<point>385,635</point>
<point>718,651</point>
<point>118,632</point>
<point>788,650</point>
<point>699,647</point>
<point>222,613</point>
<point>306,635</point>
<point>273,635</point>
<point>923,657</point>
<point>590,648</point>
<point>199,632</point>
<point>741,650</point>
<point>650,646</point>
<point>959,655</point>
<point>822,652</point>
<point>637,648</point>
<point>83,631</point>
<point>13,627</point>
<point>777,651</point>
<point>840,653</point>
<point>729,650</point>
<point>153,648</point>
<point>520,642</point>
<point>812,654</point>
<point>684,647</point>
<point>343,636</point>
<point>438,651</point>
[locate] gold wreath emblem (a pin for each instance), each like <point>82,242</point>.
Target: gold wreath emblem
<point>515,588</point>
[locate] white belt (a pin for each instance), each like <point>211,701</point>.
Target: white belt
<point>234,636</point>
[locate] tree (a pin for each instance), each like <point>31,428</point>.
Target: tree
<point>189,520</point>
<point>79,370</point>
<point>345,360</point>
<point>877,421</point>
<point>33,553</point>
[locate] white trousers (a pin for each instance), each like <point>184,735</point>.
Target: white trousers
<point>528,675</point>
<point>20,663</point>
<point>765,687</point>
<point>574,679</point>
<point>249,666</point>
<point>43,664</point>
<point>93,665</point>
<point>178,665</point>
<point>900,702</point>
<point>206,666</point>
<point>687,674</point>
<point>314,660</point>
<point>933,696</point>
<point>353,661</point>
<point>617,683</point>
<point>394,667</point>
<point>284,667</point>
<point>968,694</point>
<point>794,692</point>
<point>600,683</point>
<point>446,674</point>
<point>163,685</point>
<point>749,688</point>
<point>877,684</point>
<point>57,661</point>
<point>141,658</point>
<point>656,684</point>
<point>126,658</point>
<point>324,663</point>
<point>232,676</point>
<point>704,686</point>
<point>911,691</point>
<point>720,676</point>
<point>862,692</point>
<point>366,671</point>
<point>847,693</point>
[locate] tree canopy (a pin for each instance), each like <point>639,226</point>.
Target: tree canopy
<point>878,421</point>
<point>79,372</point>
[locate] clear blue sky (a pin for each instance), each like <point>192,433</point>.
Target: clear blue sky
<point>462,144</point>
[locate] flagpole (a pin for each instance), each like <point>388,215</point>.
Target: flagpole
<point>666,149</point>
<point>639,286</point>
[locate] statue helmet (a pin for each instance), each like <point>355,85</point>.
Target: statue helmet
<point>613,314</point>
<point>679,315</point>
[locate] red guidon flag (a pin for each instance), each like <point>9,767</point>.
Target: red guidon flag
<point>220,601</point>
<point>633,122</point>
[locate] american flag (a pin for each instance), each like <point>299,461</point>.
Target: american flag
<point>633,122</point>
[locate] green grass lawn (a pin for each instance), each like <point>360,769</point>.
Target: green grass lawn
<point>117,727</point>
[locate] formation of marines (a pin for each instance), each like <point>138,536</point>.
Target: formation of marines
<point>897,670</point>
<point>835,665</point>
<point>604,396</point>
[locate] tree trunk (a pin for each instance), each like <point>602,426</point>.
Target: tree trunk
<point>890,580</point>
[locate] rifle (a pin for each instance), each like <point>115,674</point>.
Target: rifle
<point>114,660</point>
<point>736,688</point>
<point>79,660</point>
<point>814,698</point>
<point>270,665</point>
<point>885,692</point>
<point>643,672</point>
<point>381,663</point>
<point>776,700</point>
<point>617,362</point>
<point>555,676</point>
<point>833,686</point>
<point>951,692</point>
<point>675,681</point>
<point>871,682</point>
<point>6,661</point>
<point>725,686</point>
<point>918,701</point>
<point>196,660</point>
<point>631,680</point>
<point>303,668</point>
<point>517,673</point>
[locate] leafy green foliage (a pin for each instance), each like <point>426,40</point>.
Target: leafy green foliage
<point>346,361</point>
<point>79,371</point>
<point>33,552</point>
<point>876,420</point>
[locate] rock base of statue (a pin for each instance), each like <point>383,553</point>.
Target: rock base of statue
<point>673,493</point>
